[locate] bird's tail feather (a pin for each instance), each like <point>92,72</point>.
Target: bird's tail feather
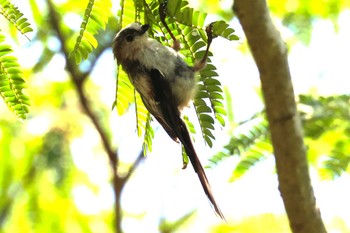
<point>191,152</point>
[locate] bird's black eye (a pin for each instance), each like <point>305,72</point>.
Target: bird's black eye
<point>129,38</point>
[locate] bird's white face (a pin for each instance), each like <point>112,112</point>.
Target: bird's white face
<point>137,27</point>
<point>129,41</point>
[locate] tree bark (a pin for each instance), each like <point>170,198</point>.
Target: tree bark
<point>270,55</point>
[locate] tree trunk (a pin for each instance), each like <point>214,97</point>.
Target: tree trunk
<point>270,54</point>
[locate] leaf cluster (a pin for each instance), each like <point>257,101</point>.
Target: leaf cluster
<point>327,130</point>
<point>95,19</point>
<point>251,144</point>
<point>12,82</point>
<point>326,125</point>
<point>11,75</point>
<point>15,17</point>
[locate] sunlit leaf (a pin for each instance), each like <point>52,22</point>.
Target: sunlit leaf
<point>12,82</point>
<point>15,17</point>
<point>95,19</point>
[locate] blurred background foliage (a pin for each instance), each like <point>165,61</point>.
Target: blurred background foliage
<point>43,181</point>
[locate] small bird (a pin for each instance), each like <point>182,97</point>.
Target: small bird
<point>166,85</point>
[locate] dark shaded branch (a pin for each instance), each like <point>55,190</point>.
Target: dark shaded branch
<point>270,54</point>
<point>97,53</point>
<point>119,186</point>
<point>78,79</point>
<point>133,167</point>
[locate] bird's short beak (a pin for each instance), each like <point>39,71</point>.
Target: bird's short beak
<point>144,28</point>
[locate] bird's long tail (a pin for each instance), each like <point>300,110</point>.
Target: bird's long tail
<point>185,139</point>
<point>168,115</point>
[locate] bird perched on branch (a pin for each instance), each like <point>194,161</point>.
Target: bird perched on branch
<point>166,85</point>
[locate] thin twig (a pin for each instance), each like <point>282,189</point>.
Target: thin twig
<point>133,167</point>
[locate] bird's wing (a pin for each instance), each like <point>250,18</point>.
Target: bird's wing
<point>170,116</point>
<point>141,80</point>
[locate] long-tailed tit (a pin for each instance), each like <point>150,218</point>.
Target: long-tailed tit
<point>166,85</point>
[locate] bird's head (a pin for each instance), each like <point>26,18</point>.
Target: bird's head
<point>129,41</point>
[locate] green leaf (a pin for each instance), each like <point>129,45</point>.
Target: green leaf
<point>90,38</point>
<point>198,45</point>
<point>95,19</point>
<point>15,17</point>
<point>202,94</point>
<point>12,83</point>
<point>124,92</point>
<point>252,145</point>
<point>148,136</point>
<point>206,118</point>
<point>5,49</point>
<point>325,124</point>
<point>221,28</point>
<point>203,108</point>
<point>141,115</point>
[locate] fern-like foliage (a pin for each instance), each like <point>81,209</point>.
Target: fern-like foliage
<point>15,17</point>
<point>95,19</point>
<point>148,135</point>
<point>12,82</point>
<point>252,145</point>
<point>326,121</point>
<point>124,93</point>
<point>187,25</point>
<point>11,77</point>
<point>142,114</point>
<point>324,113</point>
<point>337,163</point>
<point>220,28</point>
<point>130,11</point>
<point>258,152</point>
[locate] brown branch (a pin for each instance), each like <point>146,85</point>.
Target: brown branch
<point>97,53</point>
<point>270,54</point>
<point>119,186</point>
<point>133,167</point>
<point>78,79</point>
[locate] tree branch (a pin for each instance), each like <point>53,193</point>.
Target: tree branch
<point>119,186</point>
<point>133,167</point>
<point>97,53</point>
<point>270,54</point>
<point>78,79</point>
